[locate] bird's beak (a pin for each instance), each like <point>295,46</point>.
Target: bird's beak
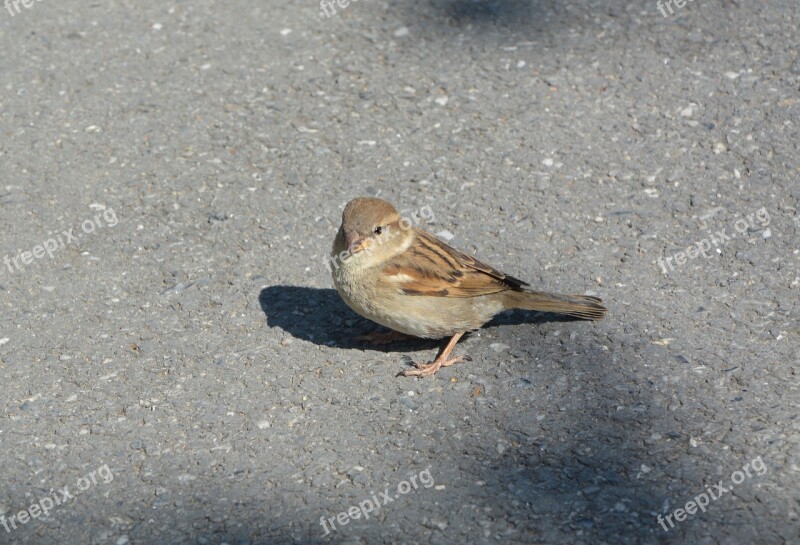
<point>355,243</point>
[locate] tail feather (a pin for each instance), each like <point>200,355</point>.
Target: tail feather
<point>584,307</point>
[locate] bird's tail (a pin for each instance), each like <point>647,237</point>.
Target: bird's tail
<point>584,307</point>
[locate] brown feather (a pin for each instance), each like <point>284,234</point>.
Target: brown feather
<point>430,267</point>
<point>585,307</point>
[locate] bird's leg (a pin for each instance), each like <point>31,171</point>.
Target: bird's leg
<point>442,360</point>
<point>380,337</point>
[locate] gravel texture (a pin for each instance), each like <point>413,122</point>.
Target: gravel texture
<point>185,359</point>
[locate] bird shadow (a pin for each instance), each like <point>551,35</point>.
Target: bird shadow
<point>522,18</point>
<point>508,13</point>
<point>320,316</point>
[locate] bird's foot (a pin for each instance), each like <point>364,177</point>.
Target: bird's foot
<point>426,370</point>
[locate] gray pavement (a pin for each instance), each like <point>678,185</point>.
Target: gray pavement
<point>177,369</point>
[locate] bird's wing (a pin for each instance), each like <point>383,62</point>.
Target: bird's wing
<point>431,267</point>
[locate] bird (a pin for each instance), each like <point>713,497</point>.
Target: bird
<point>406,279</point>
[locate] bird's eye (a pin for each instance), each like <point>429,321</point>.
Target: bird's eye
<point>378,230</point>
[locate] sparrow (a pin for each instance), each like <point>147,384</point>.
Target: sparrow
<point>406,279</point>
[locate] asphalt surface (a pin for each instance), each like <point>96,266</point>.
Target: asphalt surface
<point>178,369</point>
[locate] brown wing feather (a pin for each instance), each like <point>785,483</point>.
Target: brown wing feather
<point>431,267</point>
